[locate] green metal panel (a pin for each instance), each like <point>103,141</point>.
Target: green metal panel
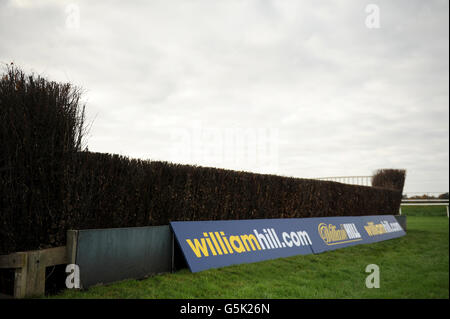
<point>108,255</point>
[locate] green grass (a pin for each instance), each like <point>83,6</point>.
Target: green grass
<point>413,266</point>
<point>424,210</point>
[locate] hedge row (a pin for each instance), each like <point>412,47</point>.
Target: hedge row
<point>104,191</point>
<point>48,185</point>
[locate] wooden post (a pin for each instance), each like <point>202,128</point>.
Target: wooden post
<point>35,275</point>
<point>29,278</point>
<point>72,241</point>
<point>20,276</point>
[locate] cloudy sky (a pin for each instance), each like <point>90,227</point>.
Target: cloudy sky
<point>298,88</point>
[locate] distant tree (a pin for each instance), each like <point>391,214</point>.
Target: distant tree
<point>443,196</point>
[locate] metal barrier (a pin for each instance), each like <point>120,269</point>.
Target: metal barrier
<point>114,254</point>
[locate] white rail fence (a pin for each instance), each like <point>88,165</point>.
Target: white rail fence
<point>424,202</point>
<point>367,181</point>
<point>354,180</point>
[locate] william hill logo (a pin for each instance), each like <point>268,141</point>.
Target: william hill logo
<point>384,227</point>
<point>332,235</point>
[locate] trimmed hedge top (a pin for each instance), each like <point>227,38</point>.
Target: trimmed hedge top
<point>390,179</point>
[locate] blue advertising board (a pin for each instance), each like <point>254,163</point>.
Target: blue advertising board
<point>214,244</point>
<point>381,227</point>
<point>330,233</point>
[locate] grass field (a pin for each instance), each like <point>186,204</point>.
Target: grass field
<point>424,210</point>
<point>413,266</point>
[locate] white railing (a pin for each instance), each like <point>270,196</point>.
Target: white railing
<point>354,180</point>
<point>424,202</point>
<point>367,181</point>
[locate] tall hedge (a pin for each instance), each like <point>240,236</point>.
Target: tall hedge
<point>49,184</point>
<point>41,128</point>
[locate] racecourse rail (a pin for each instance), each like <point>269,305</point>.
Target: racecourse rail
<point>424,202</point>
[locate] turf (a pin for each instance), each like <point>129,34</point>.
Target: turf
<point>424,210</point>
<point>413,266</point>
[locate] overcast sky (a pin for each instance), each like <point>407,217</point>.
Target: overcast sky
<point>297,88</point>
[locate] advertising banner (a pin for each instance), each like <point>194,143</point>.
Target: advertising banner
<point>381,227</point>
<point>214,244</point>
<point>332,233</point>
